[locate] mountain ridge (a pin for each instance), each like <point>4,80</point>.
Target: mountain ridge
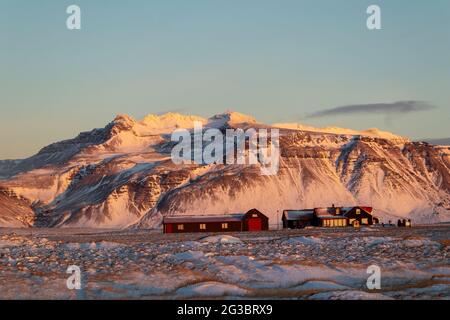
<point>122,175</point>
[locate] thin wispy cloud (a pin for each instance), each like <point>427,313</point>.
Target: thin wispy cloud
<point>394,108</point>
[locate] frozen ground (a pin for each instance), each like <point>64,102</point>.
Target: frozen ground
<point>300,264</point>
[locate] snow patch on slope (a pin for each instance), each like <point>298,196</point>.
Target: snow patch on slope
<point>372,132</point>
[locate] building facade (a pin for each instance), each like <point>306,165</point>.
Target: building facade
<point>252,220</point>
<point>297,219</point>
<point>329,217</point>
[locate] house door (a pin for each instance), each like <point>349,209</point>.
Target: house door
<point>168,228</point>
<point>254,224</point>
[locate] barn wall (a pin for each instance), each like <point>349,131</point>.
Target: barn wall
<point>261,216</point>
<point>210,227</point>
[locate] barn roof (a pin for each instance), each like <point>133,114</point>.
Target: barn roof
<point>204,218</point>
<point>298,214</point>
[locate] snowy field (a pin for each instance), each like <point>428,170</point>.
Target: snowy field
<point>299,264</point>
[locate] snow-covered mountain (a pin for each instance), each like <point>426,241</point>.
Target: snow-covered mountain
<point>122,176</point>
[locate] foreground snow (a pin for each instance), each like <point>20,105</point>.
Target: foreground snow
<point>304,264</point>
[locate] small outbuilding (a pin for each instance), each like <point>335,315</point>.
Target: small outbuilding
<point>252,220</point>
<point>297,219</point>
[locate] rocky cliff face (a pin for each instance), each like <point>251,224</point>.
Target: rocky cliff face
<point>122,176</point>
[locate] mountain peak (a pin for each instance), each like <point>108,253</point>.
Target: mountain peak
<point>230,118</point>
<point>169,117</point>
<point>122,122</point>
<point>168,121</point>
<point>123,118</point>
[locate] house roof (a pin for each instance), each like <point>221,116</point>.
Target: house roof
<point>328,213</point>
<point>366,209</point>
<point>329,216</point>
<point>298,214</point>
<point>204,218</point>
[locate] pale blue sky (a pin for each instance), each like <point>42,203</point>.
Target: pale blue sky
<point>276,60</point>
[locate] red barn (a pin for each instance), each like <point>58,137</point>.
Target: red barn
<point>253,220</point>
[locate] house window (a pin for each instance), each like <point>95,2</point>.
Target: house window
<point>358,211</point>
<point>254,215</point>
<point>351,221</point>
<point>202,226</point>
<point>224,225</point>
<point>180,227</point>
<point>364,221</point>
<point>338,210</point>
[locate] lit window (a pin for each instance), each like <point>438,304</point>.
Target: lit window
<point>358,211</point>
<point>202,226</point>
<point>364,221</point>
<point>180,227</point>
<point>224,225</point>
<point>338,210</point>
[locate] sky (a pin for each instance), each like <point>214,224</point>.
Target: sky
<point>314,62</point>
